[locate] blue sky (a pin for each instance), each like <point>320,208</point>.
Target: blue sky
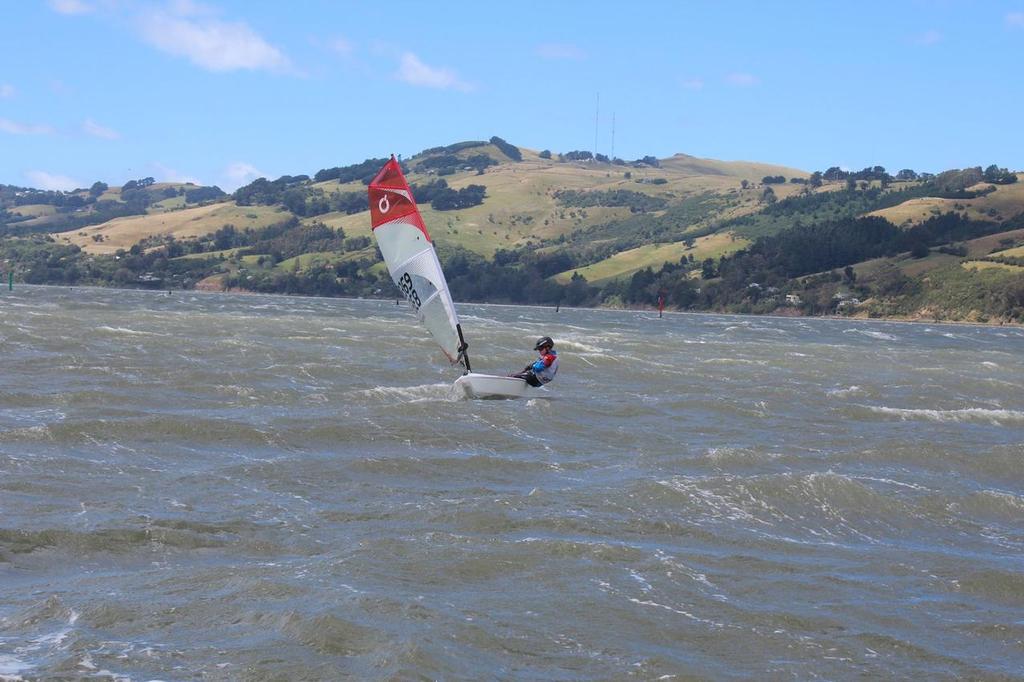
<point>221,92</point>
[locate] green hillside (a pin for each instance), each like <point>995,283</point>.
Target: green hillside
<point>536,226</point>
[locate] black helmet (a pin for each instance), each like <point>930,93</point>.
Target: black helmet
<point>543,341</point>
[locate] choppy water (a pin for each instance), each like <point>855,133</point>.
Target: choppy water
<point>242,487</point>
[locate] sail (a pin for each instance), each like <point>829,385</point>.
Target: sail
<point>411,258</point>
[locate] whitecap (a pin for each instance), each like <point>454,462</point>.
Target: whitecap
<point>971,414</point>
<point>849,390</point>
<point>578,346</point>
<point>411,394</point>
<point>125,330</point>
<point>873,334</point>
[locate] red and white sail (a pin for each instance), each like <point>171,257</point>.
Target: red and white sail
<point>410,256</point>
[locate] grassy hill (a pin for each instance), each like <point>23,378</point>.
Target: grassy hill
<point>515,224</point>
<point>1005,201</point>
<point>183,224</point>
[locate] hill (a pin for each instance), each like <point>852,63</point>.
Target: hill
<point>522,225</point>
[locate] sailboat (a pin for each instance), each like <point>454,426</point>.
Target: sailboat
<point>412,261</point>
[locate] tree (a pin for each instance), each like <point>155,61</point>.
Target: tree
<point>815,180</point>
<point>509,150</point>
<point>834,174</point>
<point>295,201</point>
<point>546,154</point>
<point>98,188</point>
<point>999,176</point>
<point>768,196</point>
<point>707,269</point>
<point>224,238</point>
<point>906,175</point>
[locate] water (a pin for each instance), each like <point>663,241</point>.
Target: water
<point>203,486</point>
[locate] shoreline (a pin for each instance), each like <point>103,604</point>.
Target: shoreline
<point>653,311</point>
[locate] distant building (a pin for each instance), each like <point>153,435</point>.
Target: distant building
<point>793,299</point>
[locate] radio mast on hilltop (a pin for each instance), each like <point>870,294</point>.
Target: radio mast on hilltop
<point>597,113</point>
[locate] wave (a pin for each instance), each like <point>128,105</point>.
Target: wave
<point>842,392</point>
<point>448,467</point>
<point>872,334</point>
<point>580,346</point>
<point>26,433</point>
<point>733,361</point>
<point>125,330</point>
<point>167,428</point>
<point>996,504</point>
<point>115,540</point>
<point>966,415</point>
<point>412,394</point>
<point>727,455</point>
<point>817,508</point>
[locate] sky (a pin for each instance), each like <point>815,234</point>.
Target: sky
<point>222,91</point>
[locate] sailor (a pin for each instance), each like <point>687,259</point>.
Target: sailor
<point>545,367</point>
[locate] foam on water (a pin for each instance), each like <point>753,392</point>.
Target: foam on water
<point>874,334</point>
<point>976,414</point>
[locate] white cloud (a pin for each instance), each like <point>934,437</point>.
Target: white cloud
<point>560,51</point>
<point>342,46</point>
<point>240,173</point>
<point>165,174</point>
<point>931,37</point>
<point>43,180</point>
<point>188,8</point>
<point>91,127</point>
<point>15,128</point>
<point>692,83</point>
<point>414,72</point>
<point>70,6</point>
<point>191,31</point>
<point>743,80</point>
<point>1015,19</point>
<point>6,91</point>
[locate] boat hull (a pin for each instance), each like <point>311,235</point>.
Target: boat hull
<point>485,386</point>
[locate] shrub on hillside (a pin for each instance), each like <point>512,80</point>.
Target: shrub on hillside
<point>637,202</point>
<point>509,150</point>
<point>452,200</point>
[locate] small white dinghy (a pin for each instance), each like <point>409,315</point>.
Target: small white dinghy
<point>412,261</point>
<point>485,386</point>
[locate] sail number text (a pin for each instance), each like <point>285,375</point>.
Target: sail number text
<point>405,284</point>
